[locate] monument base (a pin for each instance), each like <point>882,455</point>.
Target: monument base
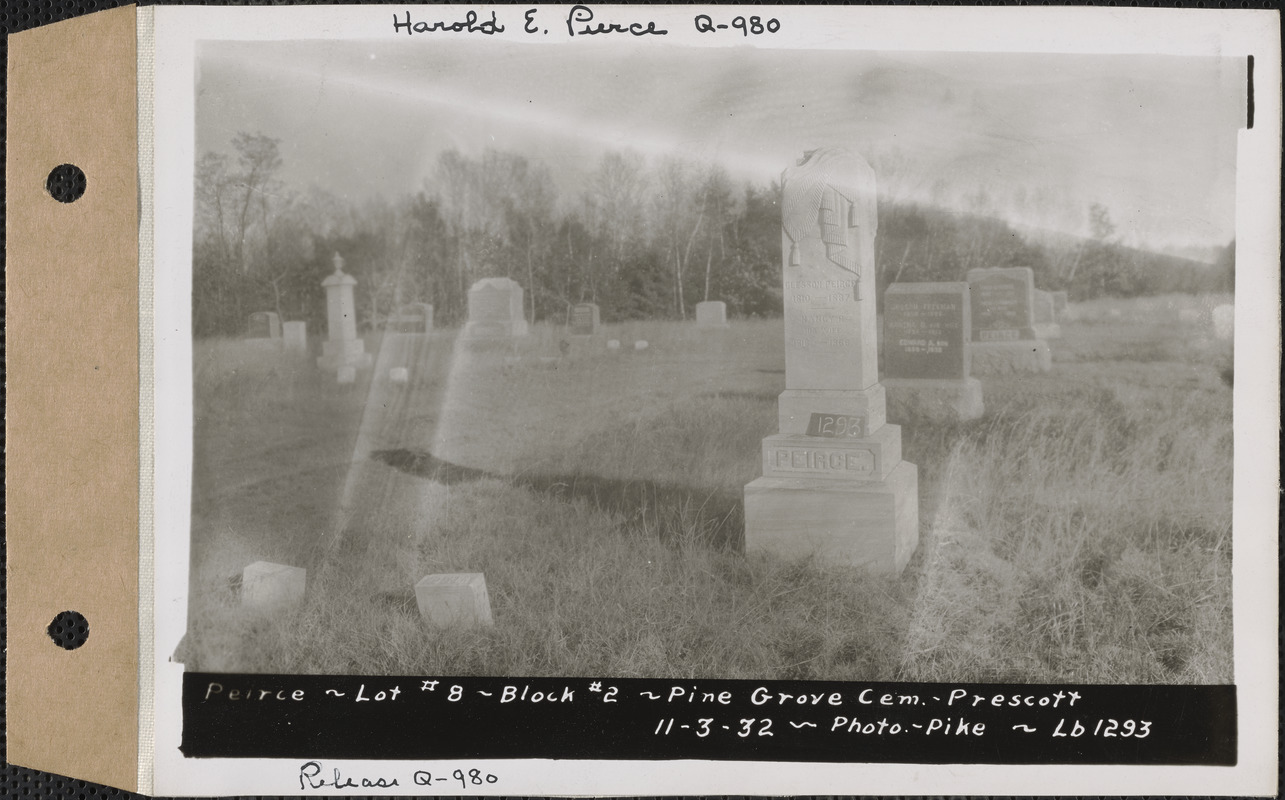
<point>1049,330</point>
<point>795,407</point>
<point>873,525</point>
<point>1003,358</point>
<point>336,353</point>
<point>935,400</point>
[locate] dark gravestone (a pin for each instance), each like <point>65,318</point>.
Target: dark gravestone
<point>927,355</point>
<point>1002,304</point>
<point>264,325</point>
<point>1004,336</point>
<point>926,326</point>
<point>584,319</point>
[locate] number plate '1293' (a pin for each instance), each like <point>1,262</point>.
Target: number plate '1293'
<point>836,426</point>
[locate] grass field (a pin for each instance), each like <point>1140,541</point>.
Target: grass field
<point>1080,531</point>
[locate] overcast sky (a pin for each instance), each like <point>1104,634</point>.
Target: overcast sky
<point>1151,137</point>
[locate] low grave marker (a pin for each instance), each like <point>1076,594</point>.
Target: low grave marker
<point>266,586</point>
<point>495,310</point>
<point>711,315</point>
<point>584,319</point>
<point>264,325</point>
<point>454,599</point>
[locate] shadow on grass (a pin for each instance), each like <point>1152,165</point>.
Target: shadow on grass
<point>673,513</point>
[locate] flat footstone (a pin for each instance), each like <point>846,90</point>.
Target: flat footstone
<point>458,598</point>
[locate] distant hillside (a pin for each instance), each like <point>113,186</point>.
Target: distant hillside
<point>922,243</point>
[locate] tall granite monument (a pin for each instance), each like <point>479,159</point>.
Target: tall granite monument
<point>833,484</point>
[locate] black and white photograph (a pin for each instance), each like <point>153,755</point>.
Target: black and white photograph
<point>490,340</point>
<point>626,358</point>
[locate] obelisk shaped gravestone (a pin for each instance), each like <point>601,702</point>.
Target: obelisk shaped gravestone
<point>833,484</point>
<point>342,348</point>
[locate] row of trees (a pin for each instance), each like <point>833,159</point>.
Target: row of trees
<point>640,240</point>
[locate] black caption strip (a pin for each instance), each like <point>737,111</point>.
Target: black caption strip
<point>407,718</point>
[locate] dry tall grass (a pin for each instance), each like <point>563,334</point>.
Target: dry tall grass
<point>1080,531</point>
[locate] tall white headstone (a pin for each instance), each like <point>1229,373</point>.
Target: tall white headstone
<point>342,347</point>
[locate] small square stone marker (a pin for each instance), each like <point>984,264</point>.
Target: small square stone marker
<point>711,314</point>
<point>457,598</point>
<point>399,375</point>
<point>266,586</point>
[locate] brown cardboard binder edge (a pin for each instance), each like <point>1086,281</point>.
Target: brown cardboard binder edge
<point>71,418</point>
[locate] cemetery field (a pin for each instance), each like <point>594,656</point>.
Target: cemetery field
<point>1080,531</point>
